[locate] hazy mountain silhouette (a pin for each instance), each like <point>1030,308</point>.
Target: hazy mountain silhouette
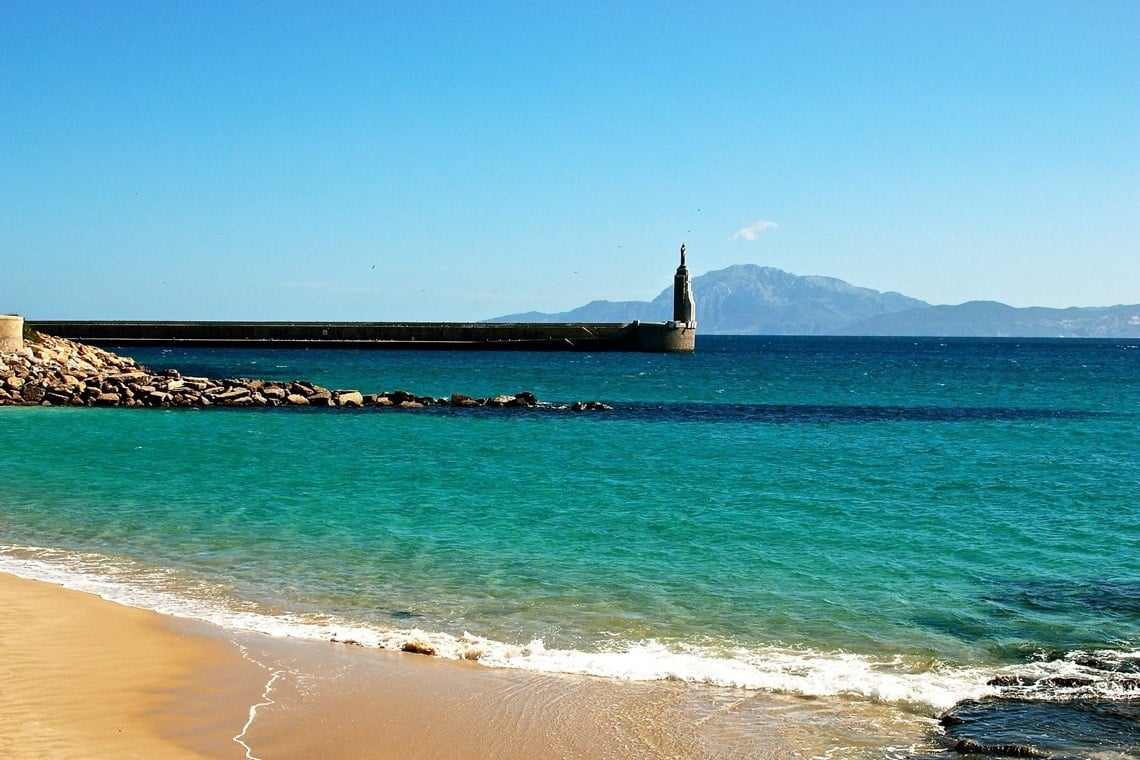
<point>993,319</point>
<point>747,299</point>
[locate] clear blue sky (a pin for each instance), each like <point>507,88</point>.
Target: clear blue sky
<point>455,161</point>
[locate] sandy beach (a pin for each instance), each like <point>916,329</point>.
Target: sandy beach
<point>86,678</point>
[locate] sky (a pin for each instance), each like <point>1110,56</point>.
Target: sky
<point>459,161</point>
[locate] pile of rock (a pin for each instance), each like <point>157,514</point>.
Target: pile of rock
<point>53,371</point>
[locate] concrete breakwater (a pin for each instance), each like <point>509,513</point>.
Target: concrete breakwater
<point>529,336</point>
<point>678,335</point>
<point>51,371</point>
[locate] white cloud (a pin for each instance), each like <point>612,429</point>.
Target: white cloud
<point>752,231</point>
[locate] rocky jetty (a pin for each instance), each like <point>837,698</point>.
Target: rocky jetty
<point>50,371</point>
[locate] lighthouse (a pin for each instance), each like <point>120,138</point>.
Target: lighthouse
<point>684,308</point>
<point>678,335</point>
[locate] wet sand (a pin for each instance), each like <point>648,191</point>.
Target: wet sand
<point>81,677</point>
<point>363,703</point>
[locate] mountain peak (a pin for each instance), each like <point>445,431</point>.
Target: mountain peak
<point>749,299</point>
<point>753,299</point>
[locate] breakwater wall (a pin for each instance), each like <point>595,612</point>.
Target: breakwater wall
<point>529,336</point>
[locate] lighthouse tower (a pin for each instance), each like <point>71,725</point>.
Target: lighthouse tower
<point>678,335</point>
<point>684,308</point>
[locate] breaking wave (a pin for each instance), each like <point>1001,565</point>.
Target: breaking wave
<point>923,684</point>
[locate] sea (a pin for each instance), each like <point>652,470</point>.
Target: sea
<point>944,529</point>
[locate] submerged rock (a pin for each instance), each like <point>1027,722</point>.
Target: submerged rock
<point>1058,728</point>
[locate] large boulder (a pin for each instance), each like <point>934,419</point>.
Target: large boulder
<point>349,398</point>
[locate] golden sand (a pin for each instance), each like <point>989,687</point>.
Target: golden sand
<point>351,703</point>
<point>81,677</point>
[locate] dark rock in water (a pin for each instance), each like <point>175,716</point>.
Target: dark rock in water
<point>1067,682</point>
<point>321,398</point>
<point>971,747</point>
<point>590,406</point>
<point>1125,665</point>
<point>1067,729</point>
<point>56,398</point>
<point>400,397</point>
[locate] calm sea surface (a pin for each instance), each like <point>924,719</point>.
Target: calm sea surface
<point>895,520</point>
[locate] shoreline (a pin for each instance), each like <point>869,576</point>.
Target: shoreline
<point>89,678</point>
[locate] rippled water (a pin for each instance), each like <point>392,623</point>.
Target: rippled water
<point>894,519</point>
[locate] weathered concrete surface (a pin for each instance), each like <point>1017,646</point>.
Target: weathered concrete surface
<point>667,337</point>
<point>11,333</point>
<point>531,336</point>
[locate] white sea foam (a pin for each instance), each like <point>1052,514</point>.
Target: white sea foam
<point>267,700</point>
<point>894,680</point>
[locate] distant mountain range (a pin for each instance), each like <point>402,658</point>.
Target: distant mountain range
<point>747,299</point>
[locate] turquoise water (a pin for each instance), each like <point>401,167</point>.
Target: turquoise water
<point>893,519</point>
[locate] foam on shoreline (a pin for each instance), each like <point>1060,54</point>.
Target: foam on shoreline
<point>146,686</point>
<point>911,684</point>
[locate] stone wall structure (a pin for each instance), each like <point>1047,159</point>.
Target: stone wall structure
<point>11,333</point>
<point>675,336</point>
<point>423,336</point>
